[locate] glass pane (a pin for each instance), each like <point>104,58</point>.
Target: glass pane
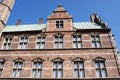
<point>56,45</point>
<point>102,64</point>
<point>6,40</point>
<point>61,22</point>
<point>57,25</point>
<point>35,65</point>
<point>98,74</point>
<point>61,39</point>
<point>76,65</point>
<point>93,38</point>
<point>14,73</point>
<point>38,39</point>
<point>74,38</point>
<point>60,73</point>
<point>97,38</point>
<point>56,39</point>
<point>98,44</point>
<point>55,65</point>
<point>97,64</point>
<point>1,65</point>
<point>26,39</point>
<point>43,39</point>
<point>104,73</point>
<point>16,65</point>
<point>60,65</point>
<point>55,73</point>
<point>21,45</point>
<point>0,73</point>
<point>25,45</point>
<point>19,72</point>
<point>39,73</point>
<point>38,45</point>
<point>75,44</point>
<point>42,45</point>
<point>20,65</point>
<point>61,45</point>
<point>40,65</point>
<point>81,65</point>
<point>79,44</point>
<point>8,47</point>
<point>93,44</point>
<point>82,73</point>
<point>22,40</point>
<point>61,25</point>
<point>79,38</point>
<point>34,73</point>
<point>76,72</point>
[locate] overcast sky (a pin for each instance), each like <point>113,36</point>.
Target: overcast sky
<point>29,11</point>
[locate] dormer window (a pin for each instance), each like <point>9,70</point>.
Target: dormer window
<point>59,24</point>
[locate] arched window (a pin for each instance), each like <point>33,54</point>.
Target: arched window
<point>96,43</point>
<point>37,68</point>
<point>17,68</point>
<point>2,62</point>
<point>58,41</point>
<point>77,40</point>
<point>41,40</point>
<point>7,42</point>
<point>100,67</point>
<point>79,71</point>
<point>23,41</point>
<point>58,68</point>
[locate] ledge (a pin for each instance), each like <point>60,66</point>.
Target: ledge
<point>54,49</point>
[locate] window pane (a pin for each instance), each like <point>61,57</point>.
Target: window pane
<point>75,44</point>
<point>16,65</point>
<point>93,38</point>
<point>34,73</point>
<point>79,44</point>
<point>55,65</point>
<point>82,73</point>
<point>76,65</point>
<point>98,44</point>
<point>61,25</point>
<point>43,39</point>
<point>102,64</point>
<point>97,64</point>
<point>54,73</point>
<point>97,38</point>
<point>25,45</point>
<point>76,73</point>
<point>39,73</point>
<point>40,65</point>
<point>56,39</point>
<point>74,38</point>
<point>61,39</point>
<point>20,65</point>
<point>81,65</point>
<point>60,73</point>
<point>38,45</point>
<point>0,73</point>
<point>38,39</point>
<point>14,73</point>
<point>42,45</point>
<point>93,44</point>
<point>35,65</point>
<point>56,45</point>
<point>104,73</point>
<point>61,45</point>
<point>19,72</point>
<point>98,74</point>
<point>60,65</point>
<point>79,38</point>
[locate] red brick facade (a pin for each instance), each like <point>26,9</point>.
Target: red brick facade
<point>67,53</point>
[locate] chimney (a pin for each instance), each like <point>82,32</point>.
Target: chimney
<point>19,22</point>
<point>41,21</point>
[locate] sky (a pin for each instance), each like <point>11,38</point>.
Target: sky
<point>29,11</point>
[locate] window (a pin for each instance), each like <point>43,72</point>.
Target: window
<point>79,71</point>
<point>59,41</point>
<point>59,24</point>
<point>7,43</point>
<point>1,0</point>
<point>23,42</point>
<point>41,42</point>
<point>58,68</point>
<point>100,68</point>
<point>17,69</point>
<point>95,41</point>
<point>77,41</point>
<point>2,62</point>
<point>37,68</point>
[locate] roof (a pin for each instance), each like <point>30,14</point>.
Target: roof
<point>38,27</point>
